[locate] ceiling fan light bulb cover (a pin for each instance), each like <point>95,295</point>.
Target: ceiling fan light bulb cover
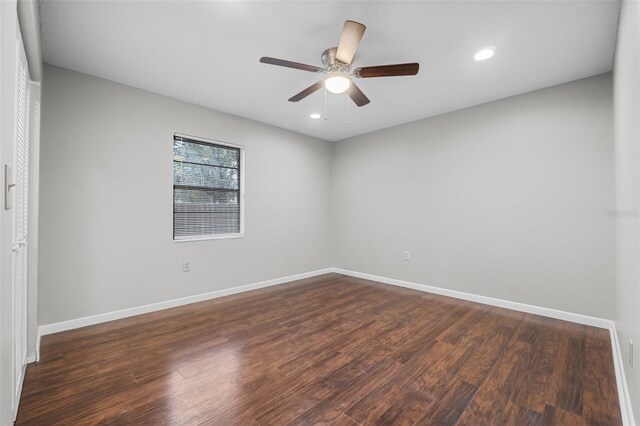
<point>337,83</point>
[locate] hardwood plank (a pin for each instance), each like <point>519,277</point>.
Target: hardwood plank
<point>376,402</point>
<point>546,347</point>
<point>598,368</point>
<point>452,405</point>
<point>507,414</point>
<point>558,417</point>
<point>332,407</point>
<point>408,410</point>
<point>566,387</point>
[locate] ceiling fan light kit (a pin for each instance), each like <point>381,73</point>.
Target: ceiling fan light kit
<point>337,82</point>
<point>337,63</point>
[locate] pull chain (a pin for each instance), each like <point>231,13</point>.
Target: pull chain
<point>348,109</point>
<point>325,103</point>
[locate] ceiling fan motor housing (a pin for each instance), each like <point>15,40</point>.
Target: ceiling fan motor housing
<point>329,60</point>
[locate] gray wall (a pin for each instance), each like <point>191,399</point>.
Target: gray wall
<point>506,199</point>
<point>106,200</point>
<point>627,184</point>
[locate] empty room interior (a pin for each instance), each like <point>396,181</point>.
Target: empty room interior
<point>320,212</point>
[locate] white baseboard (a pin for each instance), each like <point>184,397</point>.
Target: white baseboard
<point>57,327</point>
<point>623,390</point>
<point>38,338</point>
<point>19,391</point>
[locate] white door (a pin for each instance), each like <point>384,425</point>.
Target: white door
<point>20,222</point>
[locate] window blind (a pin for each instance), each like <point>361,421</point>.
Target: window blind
<point>206,189</point>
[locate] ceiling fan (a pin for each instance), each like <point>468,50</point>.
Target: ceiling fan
<point>337,67</point>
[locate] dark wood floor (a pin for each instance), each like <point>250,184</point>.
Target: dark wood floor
<point>329,349</point>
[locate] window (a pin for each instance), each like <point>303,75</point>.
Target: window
<point>207,189</point>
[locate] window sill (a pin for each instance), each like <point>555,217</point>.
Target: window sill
<point>209,237</point>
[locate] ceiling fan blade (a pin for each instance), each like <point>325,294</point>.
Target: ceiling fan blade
<point>387,70</point>
<point>306,92</point>
<point>357,96</point>
<point>290,64</point>
<point>349,40</point>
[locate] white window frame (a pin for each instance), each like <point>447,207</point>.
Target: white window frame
<point>209,236</point>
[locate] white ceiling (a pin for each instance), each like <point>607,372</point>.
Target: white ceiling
<point>206,52</point>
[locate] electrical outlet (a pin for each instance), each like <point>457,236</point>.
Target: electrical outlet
<point>186,266</point>
<point>631,353</point>
<point>406,256</point>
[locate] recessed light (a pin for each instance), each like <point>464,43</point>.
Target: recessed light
<point>315,116</point>
<point>484,54</point>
